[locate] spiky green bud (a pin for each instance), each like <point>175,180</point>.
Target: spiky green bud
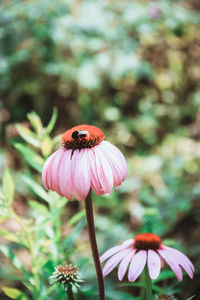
<point>67,275</point>
<point>165,297</point>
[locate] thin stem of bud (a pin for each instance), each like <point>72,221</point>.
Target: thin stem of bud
<point>69,292</point>
<point>93,244</point>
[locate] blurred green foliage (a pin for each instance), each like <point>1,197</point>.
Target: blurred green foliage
<point>133,69</point>
<point>130,65</point>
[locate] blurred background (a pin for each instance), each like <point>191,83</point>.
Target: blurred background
<point>131,68</point>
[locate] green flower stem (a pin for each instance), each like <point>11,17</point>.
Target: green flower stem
<point>32,252</point>
<point>143,285</point>
<point>93,244</point>
<point>148,284</point>
<point>70,293</point>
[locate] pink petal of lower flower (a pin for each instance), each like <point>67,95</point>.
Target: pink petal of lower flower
<point>173,264</point>
<point>154,264</point>
<point>129,242</point>
<point>124,264</point>
<point>137,265</point>
<point>112,251</point>
<point>114,260</point>
<point>182,260</point>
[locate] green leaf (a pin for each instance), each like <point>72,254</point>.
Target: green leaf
<point>157,289</point>
<point>140,284</point>
<point>28,135</point>
<point>41,261</point>
<point>56,201</point>
<point>39,208</point>
<point>11,292</point>
<point>135,284</point>
<point>23,297</point>
<point>32,158</point>
<point>70,240</point>
<point>35,121</point>
<point>9,236</point>
<point>165,274</point>
<point>76,218</point>
<point>36,188</point>
<point>57,139</point>
<point>14,259</point>
<point>46,146</point>
<point>43,220</point>
<point>8,188</point>
<point>4,210</point>
<point>14,293</point>
<point>52,122</point>
<point>118,295</point>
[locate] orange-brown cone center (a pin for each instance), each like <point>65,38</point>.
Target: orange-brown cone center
<point>82,136</point>
<point>146,241</point>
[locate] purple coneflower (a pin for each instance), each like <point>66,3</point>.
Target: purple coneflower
<point>86,161</point>
<point>146,248</point>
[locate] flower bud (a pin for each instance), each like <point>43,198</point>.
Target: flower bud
<point>67,275</point>
<point>165,297</point>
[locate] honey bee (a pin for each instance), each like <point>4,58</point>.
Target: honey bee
<point>79,134</point>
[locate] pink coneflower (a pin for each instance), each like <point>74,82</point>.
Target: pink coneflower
<point>85,161</point>
<point>146,248</point>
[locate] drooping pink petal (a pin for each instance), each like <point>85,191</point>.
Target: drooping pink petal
<point>114,164</point>
<point>182,260</point>
<point>55,169</point>
<point>46,171</point>
<point>169,259</point>
<point>117,156</point>
<point>112,251</point>
<point>76,187</point>
<point>74,162</point>
<point>114,260</point>
<point>137,265</point>
<point>182,255</point>
<point>95,183</point>
<point>124,264</point>
<point>104,171</point>
<point>81,174</point>
<point>154,264</point>
<point>65,180</point>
